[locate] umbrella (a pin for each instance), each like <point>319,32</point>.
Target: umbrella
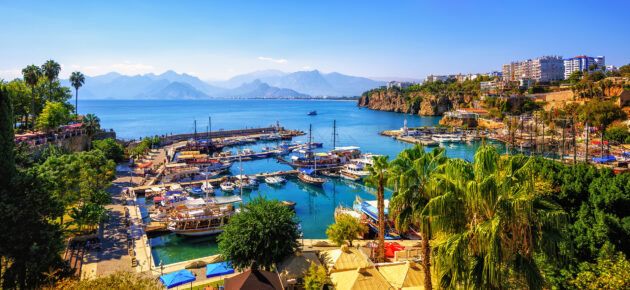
<point>177,278</point>
<point>218,269</point>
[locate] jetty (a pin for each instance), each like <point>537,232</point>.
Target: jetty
<point>234,133</point>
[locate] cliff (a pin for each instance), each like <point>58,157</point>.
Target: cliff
<point>416,103</point>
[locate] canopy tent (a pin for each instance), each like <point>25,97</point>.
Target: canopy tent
<point>218,269</point>
<point>392,248</point>
<point>407,275</point>
<point>177,278</point>
<point>254,279</point>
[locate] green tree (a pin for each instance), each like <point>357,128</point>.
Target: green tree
<point>53,115</point>
<point>411,172</point>
<point>31,74</point>
<point>345,229</point>
<point>92,124</point>
<point>110,148</point>
<point>602,113</point>
<point>77,79</point>
<point>612,272</point>
<point>316,277</point>
<point>51,71</point>
<point>576,76</point>
<point>263,234</point>
<point>617,134</point>
<point>118,280</point>
<point>30,244</point>
<point>379,174</point>
<point>494,220</point>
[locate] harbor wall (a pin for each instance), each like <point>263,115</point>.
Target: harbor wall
<point>224,133</point>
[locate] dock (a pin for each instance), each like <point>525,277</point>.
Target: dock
<point>233,133</point>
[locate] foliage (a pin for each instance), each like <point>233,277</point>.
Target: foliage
<point>52,116</point>
<point>576,76</point>
<point>612,272</point>
<point>493,220</point>
<point>145,145</point>
<point>617,134</point>
<point>316,277</point>
<point>263,234</point>
<point>110,148</point>
<point>92,124</point>
<point>118,280</point>
<point>345,228</point>
<point>77,79</point>
<point>88,214</point>
<point>379,174</point>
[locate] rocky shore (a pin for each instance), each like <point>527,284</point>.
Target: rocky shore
<point>415,103</point>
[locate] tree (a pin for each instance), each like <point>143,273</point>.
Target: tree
<point>494,220</point>
<point>110,148</point>
<point>53,115</point>
<point>31,74</point>
<point>263,234</point>
<point>611,272</point>
<point>576,76</point>
<point>617,134</point>
<point>412,171</point>
<point>602,113</point>
<point>77,79</point>
<point>346,228</point>
<point>51,71</point>
<point>30,244</point>
<point>379,174</point>
<point>316,277</point>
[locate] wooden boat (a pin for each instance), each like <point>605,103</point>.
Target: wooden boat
<point>349,175</point>
<point>211,219</point>
<point>311,179</point>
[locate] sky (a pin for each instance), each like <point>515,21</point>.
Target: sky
<point>216,40</point>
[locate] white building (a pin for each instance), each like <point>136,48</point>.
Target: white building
<point>582,63</point>
<point>542,69</point>
<point>434,78</point>
<point>400,85</point>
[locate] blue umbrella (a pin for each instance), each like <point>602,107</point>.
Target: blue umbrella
<point>177,278</point>
<point>218,269</point>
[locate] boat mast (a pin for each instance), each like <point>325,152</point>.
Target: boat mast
<point>240,168</point>
<point>334,133</point>
<point>195,134</point>
<point>310,128</point>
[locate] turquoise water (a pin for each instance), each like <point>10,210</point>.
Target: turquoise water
<point>314,206</point>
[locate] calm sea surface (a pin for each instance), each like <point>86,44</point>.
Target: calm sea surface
<point>314,206</point>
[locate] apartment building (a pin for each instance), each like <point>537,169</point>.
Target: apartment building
<point>542,69</point>
<point>582,63</point>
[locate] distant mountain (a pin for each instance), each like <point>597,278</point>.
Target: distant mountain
<point>260,84</point>
<point>258,89</point>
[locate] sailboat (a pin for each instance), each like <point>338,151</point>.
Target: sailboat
<point>307,174</point>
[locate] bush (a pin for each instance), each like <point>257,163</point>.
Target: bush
<point>110,148</point>
<point>345,228</point>
<point>617,134</point>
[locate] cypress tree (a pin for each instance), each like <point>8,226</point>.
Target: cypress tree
<point>7,161</point>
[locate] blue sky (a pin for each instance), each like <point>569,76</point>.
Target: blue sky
<point>220,39</point>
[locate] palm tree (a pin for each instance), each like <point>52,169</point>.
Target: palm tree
<point>379,174</point>
<point>77,80</point>
<point>92,124</point>
<point>31,74</point>
<point>51,71</point>
<point>412,171</point>
<point>494,220</point>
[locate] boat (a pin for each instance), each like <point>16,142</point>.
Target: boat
<point>289,204</point>
<point>312,113</point>
<point>208,220</point>
<point>306,176</point>
<point>196,191</point>
<point>227,186</point>
<point>369,212</point>
<point>349,175</point>
<point>275,180</point>
<point>330,173</point>
<point>207,187</point>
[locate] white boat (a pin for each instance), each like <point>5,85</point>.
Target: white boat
<point>349,175</point>
<point>207,187</point>
<point>227,186</point>
<point>275,180</point>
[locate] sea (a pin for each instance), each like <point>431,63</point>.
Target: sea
<point>355,126</point>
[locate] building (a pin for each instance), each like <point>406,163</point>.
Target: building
<point>400,85</point>
<point>547,69</point>
<point>494,74</point>
<point>434,78</point>
<point>542,69</point>
<point>489,86</point>
<point>582,63</point>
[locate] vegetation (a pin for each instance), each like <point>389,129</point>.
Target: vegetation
<point>118,280</point>
<point>92,124</point>
<point>110,148</point>
<point>602,113</point>
<point>611,272</point>
<point>263,234</point>
<point>345,229</point>
<point>145,145</point>
<point>53,115</point>
<point>618,134</point>
<point>31,244</point>
<point>494,219</point>
<point>77,79</point>
<point>316,277</point>
<point>379,174</point>
<point>412,172</point>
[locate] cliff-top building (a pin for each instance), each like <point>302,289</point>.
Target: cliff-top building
<point>582,63</point>
<point>542,69</point>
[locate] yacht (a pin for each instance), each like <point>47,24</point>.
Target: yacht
<point>227,186</point>
<point>208,220</point>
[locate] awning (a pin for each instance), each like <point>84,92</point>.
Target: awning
<point>177,278</point>
<point>158,198</point>
<point>308,171</point>
<point>143,165</point>
<point>218,269</point>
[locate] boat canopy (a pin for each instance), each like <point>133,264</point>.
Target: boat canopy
<point>172,165</point>
<point>346,148</point>
<point>308,171</point>
<point>192,203</point>
<point>143,165</point>
<point>156,189</point>
<point>321,154</point>
<point>605,159</point>
<point>226,199</point>
<point>171,192</point>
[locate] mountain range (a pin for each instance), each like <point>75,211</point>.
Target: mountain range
<point>259,84</point>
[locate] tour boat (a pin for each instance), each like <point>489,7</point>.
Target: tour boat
<point>227,186</point>
<point>275,180</point>
<point>305,176</point>
<point>369,212</point>
<point>211,219</point>
<point>349,175</point>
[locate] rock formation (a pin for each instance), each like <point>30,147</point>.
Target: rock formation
<point>416,103</point>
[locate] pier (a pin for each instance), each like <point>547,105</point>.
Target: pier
<point>232,133</point>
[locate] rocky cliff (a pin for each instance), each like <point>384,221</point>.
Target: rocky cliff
<point>415,103</point>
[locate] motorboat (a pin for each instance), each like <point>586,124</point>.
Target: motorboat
<point>312,113</point>
<point>275,180</point>
<point>349,175</point>
<point>207,187</point>
<point>227,186</point>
